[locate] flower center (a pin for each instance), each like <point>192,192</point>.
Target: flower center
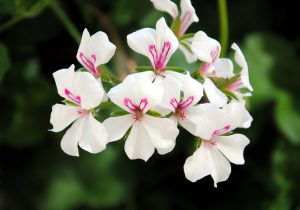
<point>72,97</point>
<point>90,64</point>
<point>137,110</point>
<point>179,108</point>
<point>159,60</point>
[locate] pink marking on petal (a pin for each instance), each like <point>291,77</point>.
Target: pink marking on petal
<point>90,65</point>
<point>214,56</point>
<point>143,104</point>
<point>235,86</point>
<point>174,103</point>
<point>185,22</point>
<point>128,103</point>
<point>185,104</point>
<point>159,60</point>
<point>221,131</point>
<point>73,97</point>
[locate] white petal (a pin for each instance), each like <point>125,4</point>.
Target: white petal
<point>187,52</point>
<point>192,88</point>
<point>87,87</point>
<point>138,144</point>
<point>97,45</point>
<point>164,34</point>
<point>238,116</point>
<point>64,79</point>
<point>140,41</point>
<point>198,165</point>
<point>210,119</point>
<point>221,168</point>
<point>188,15</point>
<point>147,74</point>
<point>223,67</point>
<point>94,135</point>
<point>166,6</point>
<point>190,122</point>
<point>62,116</point>
<point>203,46</point>
<point>240,59</point>
<point>162,133</point>
<point>214,95</point>
<point>136,90</point>
<point>232,147</point>
<point>69,142</point>
<point>178,76</point>
<point>117,126</point>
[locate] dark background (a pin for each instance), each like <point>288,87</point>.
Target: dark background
<point>36,174</point>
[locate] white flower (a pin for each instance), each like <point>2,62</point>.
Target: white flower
<point>187,16</point>
<point>184,110</point>
<point>84,92</point>
<point>137,96</point>
<point>95,50</point>
<point>216,151</point>
<point>243,80</point>
<point>208,50</point>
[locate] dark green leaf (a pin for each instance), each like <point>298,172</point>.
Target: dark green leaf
<point>154,113</point>
<point>143,68</point>
<point>119,112</point>
<point>4,61</point>
<point>176,69</point>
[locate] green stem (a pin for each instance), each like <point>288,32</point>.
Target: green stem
<point>63,17</point>
<point>224,31</point>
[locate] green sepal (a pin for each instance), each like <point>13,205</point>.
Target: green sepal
<point>175,27</point>
<point>69,103</point>
<point>119,112</point>
<point>105,105</point>
<point>143,68</point>
<point>186,36</point>
<point>229,94</point>
<point>228,82</point>
<point>176,69</point>
<point>154,113</point>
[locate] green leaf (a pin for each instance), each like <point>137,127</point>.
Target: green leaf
<point>4,61</point>
<point>105,105</point>
<point>287,117</point>
<point>143,68</point>
<point>175,27</point>
<point>176,69</point>
<point>119,112</point>
<point>70,103</point>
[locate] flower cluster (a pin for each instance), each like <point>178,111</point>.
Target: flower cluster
<point>153,101</point>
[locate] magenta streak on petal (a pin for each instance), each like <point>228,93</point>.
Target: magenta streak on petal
<point>143,104</point>
<point>185,23</point>
<point>90,65</point>
<point>153,51</point>
<point>214,56</point>
<point>236,85</point>
<point>221,131</point>
<point>128,103</point>
<point>72,97</point>
<point>159,61</point>
<point>186,103</point>
<point>174,103</point>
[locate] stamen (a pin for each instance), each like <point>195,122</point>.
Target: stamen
<point>213,142</point>
<point>130,105</point>
<point>186,103</point>
<point>73,97</point>
<point>221,131</point>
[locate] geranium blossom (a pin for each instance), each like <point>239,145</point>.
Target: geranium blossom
<point>217,150</point>
<point>83,92</point>
<point>137,96</point>
<point>184,110</point>
<point>95,50</point>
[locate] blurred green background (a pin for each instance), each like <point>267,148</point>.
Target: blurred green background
<point>36,174</point>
